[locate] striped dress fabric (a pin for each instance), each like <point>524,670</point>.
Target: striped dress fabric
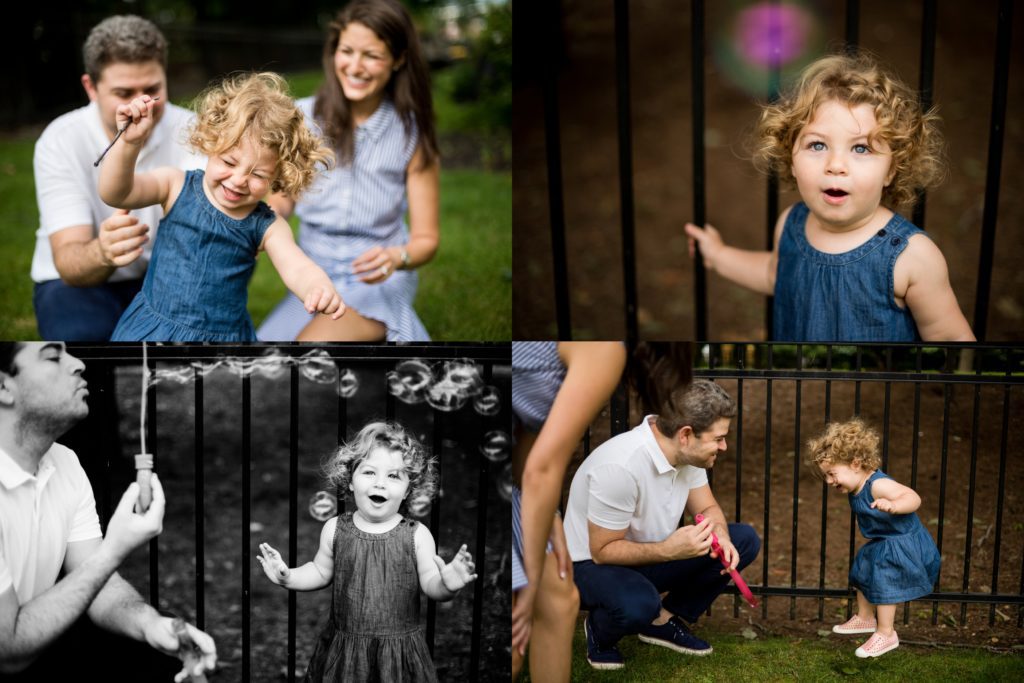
<point>348,210</point>
<point>537,375</point>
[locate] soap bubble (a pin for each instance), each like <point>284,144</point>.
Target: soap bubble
<point>504,483</point>
<point>464,374</point>
<point>318,367</point>
<point>446,396</point>
<point>175,374</point>
<point>322,506</point>
<point>488,402</point>
<point>495,446</point>
<point>272,364</point>
<point>409,380</point>
<point>348,383</point>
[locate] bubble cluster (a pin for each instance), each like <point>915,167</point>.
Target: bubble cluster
<point>318,366</point>
<point>459,382</point>
<point>496,445</point>
<point>409,381</point>
<point>322,506</point>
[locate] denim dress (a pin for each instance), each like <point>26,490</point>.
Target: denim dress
<point>197,284</point>
<point>900,561</point>
<point>537,375</point>
<point>374,632</point>
<point>840,297</point>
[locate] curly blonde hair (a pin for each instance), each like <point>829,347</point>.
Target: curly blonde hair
<point>257,107</point>
<point>917,148</point>
<point>419,465</point>
<point>844,442</point>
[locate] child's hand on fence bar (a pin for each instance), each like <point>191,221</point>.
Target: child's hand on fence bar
<point>273,566</point>
<point>709,240</point>
<point>128,530</point>
<point>688,541</point>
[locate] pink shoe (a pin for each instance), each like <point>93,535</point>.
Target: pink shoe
<point>855,625</point>
<point>878,645</point>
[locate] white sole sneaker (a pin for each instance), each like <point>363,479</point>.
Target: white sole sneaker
<point>673,646</point>
<point>838,628</point>
<point>863,654</point>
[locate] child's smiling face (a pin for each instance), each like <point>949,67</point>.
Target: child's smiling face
<point>846,478</point>
<point>380,484</point>
<point>237,178</point>
<point>839,170</point>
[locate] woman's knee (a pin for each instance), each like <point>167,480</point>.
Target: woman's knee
<point>558,598</point>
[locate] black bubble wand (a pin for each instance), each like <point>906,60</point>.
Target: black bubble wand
<point>123,129</point>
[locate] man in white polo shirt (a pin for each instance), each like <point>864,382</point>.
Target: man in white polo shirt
<point>49,525</point>
<point>90,258</point>
<point>622,526</point>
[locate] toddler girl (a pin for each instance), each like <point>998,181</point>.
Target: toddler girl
<point>214,223</point>
<point>379,562</point>
<point>900,561</point>
<point>845,267</point>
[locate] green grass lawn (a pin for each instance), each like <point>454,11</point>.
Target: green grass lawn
<point>465,293</point>
<point>796,659</point>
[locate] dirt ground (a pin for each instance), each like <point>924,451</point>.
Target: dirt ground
<point>736,194</point>
<point>225,559</point>
<point>785,526</point>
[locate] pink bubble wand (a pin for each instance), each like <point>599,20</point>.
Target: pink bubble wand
<point>737,579</point>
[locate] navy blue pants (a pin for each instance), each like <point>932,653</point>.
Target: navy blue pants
<point>623,600</point>
<point>66,313</point>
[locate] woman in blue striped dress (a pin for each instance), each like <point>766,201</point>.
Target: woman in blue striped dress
<point>374,108</point>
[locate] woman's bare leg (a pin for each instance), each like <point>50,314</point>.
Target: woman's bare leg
<point>349,327</point>
<point>554,623</point>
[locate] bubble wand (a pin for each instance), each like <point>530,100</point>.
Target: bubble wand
<point>143,460</point>
<point>737,579</point>
<point>188,651</point>
<point>123,129</point>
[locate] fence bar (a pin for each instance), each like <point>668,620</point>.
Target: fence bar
<point>1004,435</point>
<point>293,510</point>
<point>107,415</point>
<point>970,492</point>
<point>928,22</point>
<point>151,445</point>
<point>767,484</point>
<point>553,149</point>
<point>824,491</point>
<point>697,129</point>
<point>946,399</point>
<point>852,24</point>
<point>914,449</point>
<point>796,481</point>
<point>739,461</point>
<point>626,169</point>
<point>435,517</point>
<point>480,552</point>
<point>995,162</point>
<point>200,506</point>
<point>886,412</point>
<point>246,519</point>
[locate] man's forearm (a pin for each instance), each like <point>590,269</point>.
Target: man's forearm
<point>46,617</point>
<point>80,264</point>
<point>631,553</point>
<point>119,608</point>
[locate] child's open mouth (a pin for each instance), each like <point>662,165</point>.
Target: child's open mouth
<point>835,195</point>
<point>378,499</point>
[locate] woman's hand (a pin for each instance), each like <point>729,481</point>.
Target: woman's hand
<point>273,566</point>
<point>559,547</point>
<point>522,617</point>
<point>376,264</point>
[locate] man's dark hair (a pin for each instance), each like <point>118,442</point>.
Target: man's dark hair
<point>8,350</point>
<point>123,38</point>
<point>698,406</point>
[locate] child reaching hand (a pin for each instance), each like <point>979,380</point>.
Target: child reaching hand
<point>845,267</point>
<point>379,562</point>
<point>900,561</point>
<point>214,225</point>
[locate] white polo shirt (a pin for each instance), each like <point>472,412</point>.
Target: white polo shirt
<point>39,516</point>
<point>66,180</point>
<point>627,483</point>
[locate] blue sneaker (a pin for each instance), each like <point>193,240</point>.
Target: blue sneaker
<point>675,635</point>
<point>599,657</point>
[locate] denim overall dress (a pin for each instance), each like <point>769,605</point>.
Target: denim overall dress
<point>840,297</point>
<point>900,561</point>
<point>196,286</point>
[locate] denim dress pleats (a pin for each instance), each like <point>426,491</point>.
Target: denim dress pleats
<point>374,632</point>
<point>900,561</point>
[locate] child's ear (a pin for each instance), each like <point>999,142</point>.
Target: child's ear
<point>855,465</point>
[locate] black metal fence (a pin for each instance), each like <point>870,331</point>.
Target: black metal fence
<point>550,22</point>
<point>952,425</point>
<point>243,429</point>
